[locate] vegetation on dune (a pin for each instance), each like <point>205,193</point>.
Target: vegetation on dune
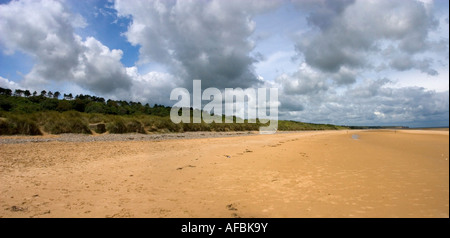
<point>23,112</point>
<point>128,125</point>
<point>14,125</point>
<point>66,122</point>
<point>301,126</point>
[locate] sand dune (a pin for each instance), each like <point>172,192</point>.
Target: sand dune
<point>307,174</point>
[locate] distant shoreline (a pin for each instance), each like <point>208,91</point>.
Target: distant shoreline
<point>430,128</point>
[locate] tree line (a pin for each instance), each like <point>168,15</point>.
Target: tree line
<point>27,102</point>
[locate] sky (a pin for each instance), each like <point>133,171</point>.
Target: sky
<point>346,62</point>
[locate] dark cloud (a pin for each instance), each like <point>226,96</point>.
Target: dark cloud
<point>207,40</point>
<point>350,32</point>
<point>374,102</point>
<point>344,77</point>
<point>351,37</point>
<point>404,62</point>
<point>322,12</point>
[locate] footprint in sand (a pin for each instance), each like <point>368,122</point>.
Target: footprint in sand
<point>161,212</point>
<point>187,166</point>
<point>41,213</point>
<point>231,207</point>
<point>235,215</point>
<point>304,154</point>
<point>122,213</point>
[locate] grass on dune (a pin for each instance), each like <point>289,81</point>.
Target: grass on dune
<point>17,125</point>
<point>53,122</point>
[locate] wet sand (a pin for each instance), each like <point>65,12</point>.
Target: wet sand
<point>403,173</point>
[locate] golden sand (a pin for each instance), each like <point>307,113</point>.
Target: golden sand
<point>305,174</point>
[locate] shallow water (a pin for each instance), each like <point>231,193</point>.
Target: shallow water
<point>355,137</point>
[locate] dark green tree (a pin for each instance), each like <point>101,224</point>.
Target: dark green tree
<point>64,105</point>
<point>5,91</point>
<point>18,93</point>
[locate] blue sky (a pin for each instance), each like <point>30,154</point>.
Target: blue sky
<point>333,61</point>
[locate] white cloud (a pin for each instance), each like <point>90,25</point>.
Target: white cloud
<point>44,30</point>
<point>153,87</point>
<point>5,83</point>
<point>78,21</point>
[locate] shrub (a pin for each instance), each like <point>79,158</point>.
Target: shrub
<point>69,125</point>
<point>64,105</point>
<point>67,122</point>
<point>161,124</point>
<point>96,107</point>
<point>134,126</point>
<point>116,126</point>
<point>4,127</point>
<point>50,104</point>
<point>6,105</point>
<point>19,125</point>
<point>120,126</point>
<point>194,127</point>
<point>96,118</point>
<point>101,128</point>
<point>164,123</point>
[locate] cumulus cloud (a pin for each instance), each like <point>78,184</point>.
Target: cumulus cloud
<point>207,40</point>
<point>305,81</point>
<point>322,12</point>
<point>100,68</point>
<point>404,62</point>
<point>371,102</point>
<point>389,105</point>
<point>348,33</point>
<point>5,83</point>
<point>45,31</point>
<point>349,38</point>
<point>312,82</point>
<point>154,87</point>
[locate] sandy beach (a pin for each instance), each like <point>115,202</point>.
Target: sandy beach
<point>382,173</point>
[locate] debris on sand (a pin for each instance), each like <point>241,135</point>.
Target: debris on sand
<point>16,209</point>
